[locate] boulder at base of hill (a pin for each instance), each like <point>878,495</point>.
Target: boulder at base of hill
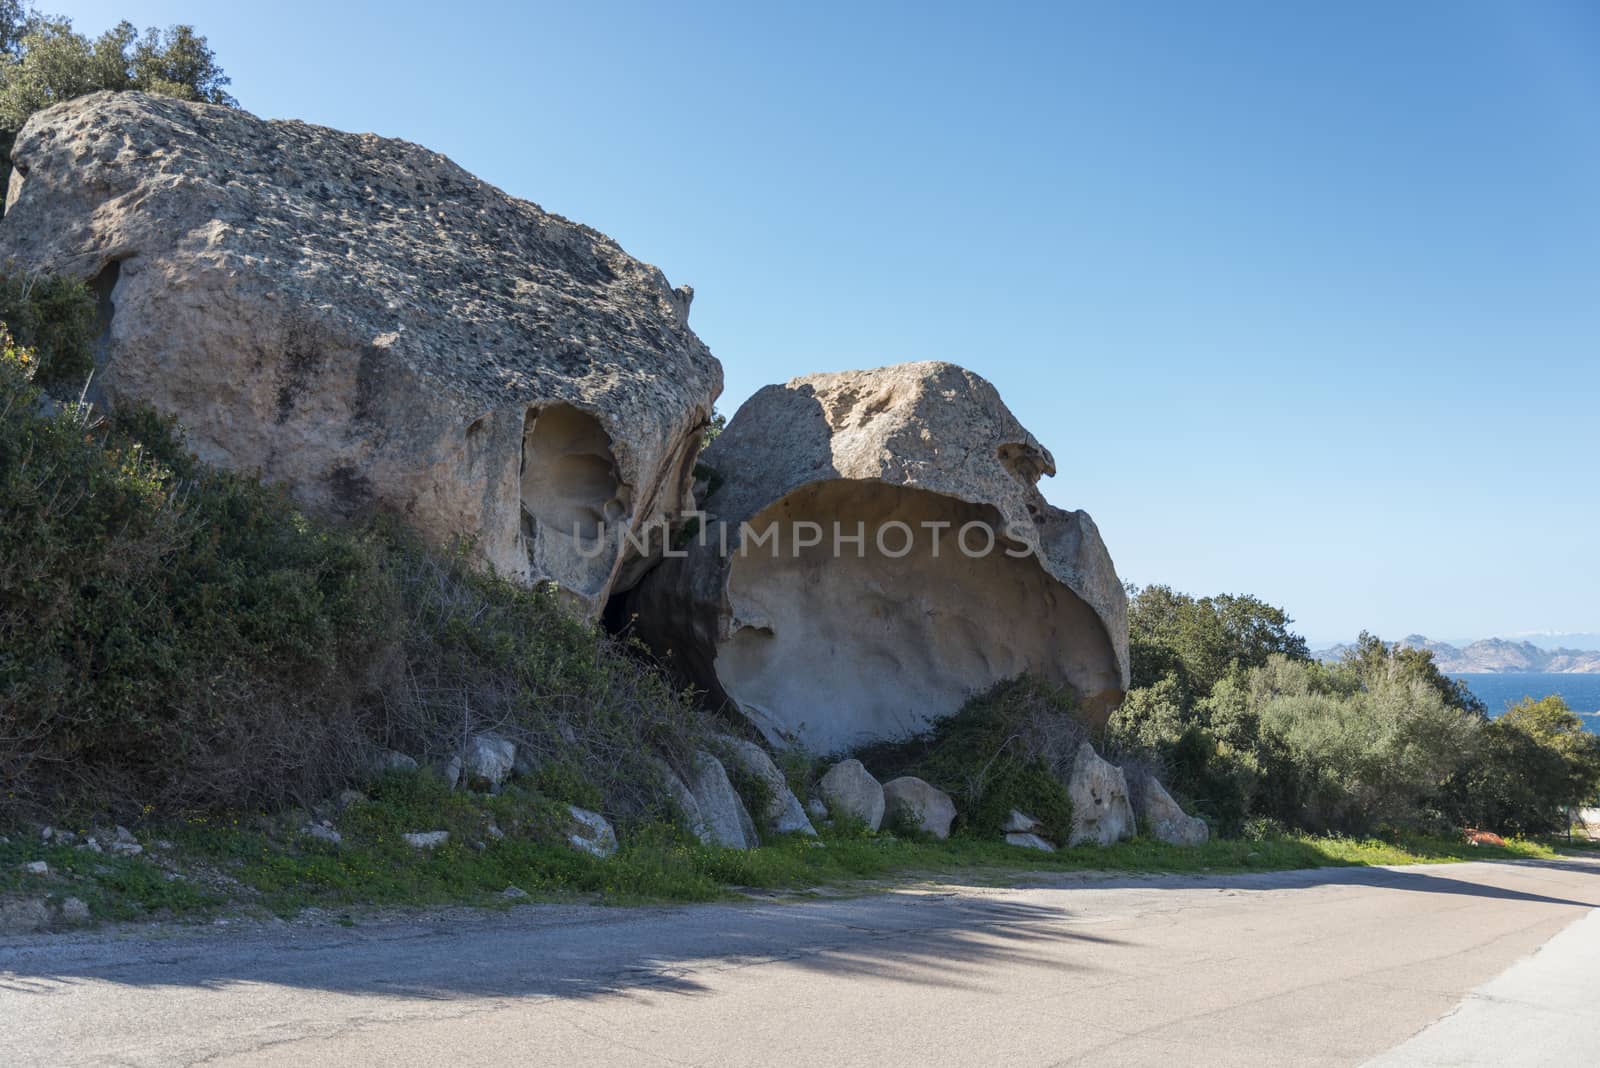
<point>1165,820</point>
<point>1101,810</point>
<point>784,814</point>
<point>591,832</point>
<point>849,790</point>
<point>928,808</point>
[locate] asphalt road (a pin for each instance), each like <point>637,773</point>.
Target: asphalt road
<point>1424,965</point>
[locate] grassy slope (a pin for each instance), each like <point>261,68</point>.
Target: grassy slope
<point>266,865</point>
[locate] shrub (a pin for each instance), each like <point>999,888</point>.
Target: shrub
<point>1010,747</point>
<point>176,639</point>
<point>54,317</point>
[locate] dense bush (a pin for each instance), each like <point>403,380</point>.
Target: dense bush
<point>1248,728</point>
<point>54,317</point>
<point>1011,747</point>
<point>175,638</point>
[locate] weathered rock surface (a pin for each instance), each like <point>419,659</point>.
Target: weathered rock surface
<point>364,321</point>
<point>1101,811</point>
<point>1028,840</point>
<point>487,760</point>
<point>1019,822</point>
<point>724,820</point>
<point>784,813</point>
<point>591,832</point>
<point>848,789</point>
<point>25,916</point>
<point>830,641</point>
<point>426,839</point>
<point>929,807</point>
<point>1165,820</point>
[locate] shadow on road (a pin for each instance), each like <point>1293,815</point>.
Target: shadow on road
<point>928,938</point>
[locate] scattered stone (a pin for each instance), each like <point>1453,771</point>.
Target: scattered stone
<point>1101,811</point>
<point>322,832</point>
<point>351,798</point>
<point>487,760</point>
<point>391,760</point>
<point>122,843</point>
<point>1022,823</point>
<point>850,790</point>
<point>723,817</point>
<point>35,867</point>
<point>494,831</point>
<point>24,917</point>
<point>784,813</point>
<point>449,770</point>
<point>830,644</point>
<point>370,326</point>
<point>927,806</point>
<point>817,809</point>
<point>593,833</point>
<point>74,911</point>
<point>1165,820</point>
<point>90,845</point>
<point>1029,841</point>
<point>426,839</point>
<point>514,893</point>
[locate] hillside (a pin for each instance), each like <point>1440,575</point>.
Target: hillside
<point>1493,656</point>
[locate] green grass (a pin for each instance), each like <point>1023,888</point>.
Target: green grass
<point>266,865</point>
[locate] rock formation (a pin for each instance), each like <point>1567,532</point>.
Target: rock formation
<point>365,322</point>
<point>849,790</point>
<point>959,572</point>
<point>1102,812</point>
<point>1164,819</point>
<point>927,807</point>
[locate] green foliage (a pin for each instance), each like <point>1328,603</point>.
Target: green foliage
<point>176,639</point>
<point>1197,642</point>
<point>1532,764</point>
<point>1011,747</point>
<point>54,316</point>
<point>44,61</point>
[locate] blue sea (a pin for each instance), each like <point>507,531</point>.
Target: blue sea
<point>1500,692</point>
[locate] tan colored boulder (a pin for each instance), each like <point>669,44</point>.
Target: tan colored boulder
<point>368,324</point>
<point>848,789</point>
<point>928,807</point>
<point>1165,820</point>
<point>1101,810</point>
<point>875,550</point>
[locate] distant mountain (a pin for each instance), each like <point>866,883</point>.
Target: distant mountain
<point>1493,656</point>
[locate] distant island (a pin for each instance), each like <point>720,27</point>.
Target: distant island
<point>1494,656</point>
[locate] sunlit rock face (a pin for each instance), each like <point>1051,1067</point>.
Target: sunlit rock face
<point>365,322</point>
<point>875,550</point>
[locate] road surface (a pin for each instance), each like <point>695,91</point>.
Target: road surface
<point>1417,965</point>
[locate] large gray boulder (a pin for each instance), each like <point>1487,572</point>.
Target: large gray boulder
<point>848,789</point>
<point>1101,810</point>
<point>724,821</point>
<point>928,807</point>
<point>784,814</point>
<point>487,760</point>
<point>949,571</point>
<point>365,322</point>
<point>1165,820</point>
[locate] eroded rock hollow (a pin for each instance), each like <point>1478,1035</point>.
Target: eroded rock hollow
<point>365,322</point>
<point>875,549</point>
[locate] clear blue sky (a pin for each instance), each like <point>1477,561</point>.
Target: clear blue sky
<point>1304,298</point>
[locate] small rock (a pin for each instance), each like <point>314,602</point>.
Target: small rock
<point>592,834</point>
<point>1029,841</point>
<point>24,917</point>
<point>162,844</point>
<point>322,832</point>
<point>1021,823</point>
<point>90,845</point>
<point>391,760</point>
<point>450,771</point>
<point>850,790</point>
<point>494,831</point>
<point>74,911</point>
<point>122,843</point>
<point>514,893</point>
<point>486,761</point>
<point>426,839</point>
<point>350,798</point>
<point>36,867</point>
<point>928,807</point>
<point>816,809</point>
